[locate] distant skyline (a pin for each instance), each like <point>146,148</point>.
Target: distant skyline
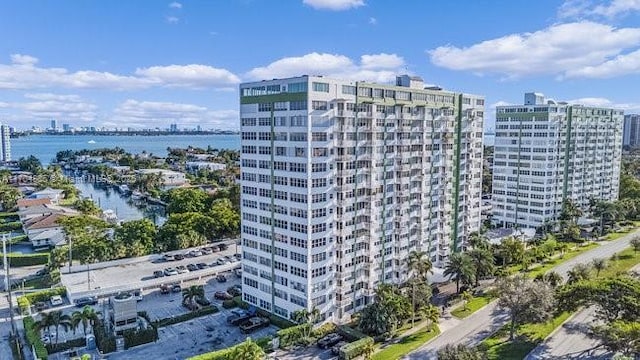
<point>147,64</point>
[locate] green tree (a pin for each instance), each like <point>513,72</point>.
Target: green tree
<point>9,196</point>
<point>87,207</point>
<point>525,300</point>
<point>226,220</point>
<point>248,350</point>
<point>389,312</point>
<point>619,336</point>
<point>184,230</point>
<point>599,264</point>
<point>578,273</point>
<point>460,352</point>
<point>635,244</point>
<point>419,266</point>
<point>466,297</point>
<point>30,163</point>
<point>552,278</point>
<point>137,237</point>
<point>308,318</point>
<point>56,319</point>
<point>367,350</point>
<point>478,240</point>
<point>191,295</point>
<point>483,263</point>
<point>511,250</point>
<point>183,200</point>
<point>86,317</point>
<point>430,313</point>
<point>460,267</point>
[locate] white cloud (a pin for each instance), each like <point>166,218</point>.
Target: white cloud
<point>175,5</point>
<point>335,5</point>
<point>54,106</point>
<point>172,19</point>
<point>24,74</point>
<point>620,65</point>
<point>153,113</point>
<point>54,97</point>
<point>604,102</point>
<point>373,21</point>
<point>557,49</point>
<point>607,9</point>
<point>376,67</point>
<point>193,75</point>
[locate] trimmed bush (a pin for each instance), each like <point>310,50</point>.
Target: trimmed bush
<point>323,330</point>
<point>11,226</point>
<point>44,295</point>
<point>282,323</point>
<point>19,259</point>
<point>54,348</point>
<point>33,337</point>
<point>225,354</point>
<point>19,238</point>
<point>354,349</point>
<point>350,333</point>
<point>141,336</point>
<point>265,343</point>
<point>23,304</point>
<point>106,343</point>
<point>229,304</point>
<point>292,335</point>
<point>186,317</point>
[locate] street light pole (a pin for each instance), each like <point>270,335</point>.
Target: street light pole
<point>7,283</point>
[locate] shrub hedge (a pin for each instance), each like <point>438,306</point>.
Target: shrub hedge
<point>225,354</point>
<point>33,337</point>
<point>10,226</point>
<point>25,301</point>
<point>291,336</point>
<point>323,330</point>
<point>354,349</point>
<point>186,317</point>
<point>350,333</point>
<point>54,348</point>
<point>19,259</point>
<point>106,342</point>
<point>278,321</point>
<point>229,304</point>
<point>141,336</point>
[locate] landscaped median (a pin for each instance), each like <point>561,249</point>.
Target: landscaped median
<point>476,303</point>
<point>20,259</point>
<point>407,344</point>
<point>529,336</point>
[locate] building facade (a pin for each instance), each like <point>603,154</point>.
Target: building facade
<point>341,180</point>
<point>547,152</point>
<point>5,143</point>
<point>631,133</point>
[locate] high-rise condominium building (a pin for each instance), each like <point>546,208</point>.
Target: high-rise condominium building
<point>547,152</point>
<point>5,143</point>
<point>341,180</point>
<point>631,133</point>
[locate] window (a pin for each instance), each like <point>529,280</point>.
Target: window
<point>298,272</point>
<point>249,122</point>
<point>299,198</point>
<point>319,182</point>
<point>297,87</point>
<point>264,107</point>
<point>348,89</point>
<point>298,121</point>
<point>318,136</point>
<point>298,257</point>
<point>298,105</point>
<point>298,137</point>
<point>319,105</point>
<point>319,257</point>
<point>321,87</point>
<point>318,228</point>
<point>319,167</point>
<point>319,242</point>
<point>319,271</point>
<point>280,106</point>
<point>298,167</point>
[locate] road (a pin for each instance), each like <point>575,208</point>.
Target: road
<point>484,322</point>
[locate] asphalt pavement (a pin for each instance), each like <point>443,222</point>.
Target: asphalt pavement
<point>484,322</point>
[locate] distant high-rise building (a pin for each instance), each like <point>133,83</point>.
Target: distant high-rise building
<point>548,152</point>
<point>198,128</point>
<point>342,179</point>
<point>631,133</point>
<point>5,143</point>
<point>173,127</point>
<point>54,125</point>
<point>66,127</point>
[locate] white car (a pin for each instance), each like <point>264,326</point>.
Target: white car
<point>56,300</point>
<point>195,253</point>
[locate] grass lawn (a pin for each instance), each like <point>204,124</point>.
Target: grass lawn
<point>406,345</point>
<point>549,264</point>
<point>528,336</point>
<point>474,305</point>
<point>34,283</point>
<point>625,260</point>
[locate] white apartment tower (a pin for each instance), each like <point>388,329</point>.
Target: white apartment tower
<point>547,152</point>
<point>631,133</point>
<point>342,179</point>
<point>5,143</point>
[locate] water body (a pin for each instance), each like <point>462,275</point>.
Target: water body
<point>45,147</point>
<point>107,198</point>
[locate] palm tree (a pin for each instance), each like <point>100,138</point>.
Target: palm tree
<point>578,273</point>
<point>552,278</point>
<point>248,350</point>
<point>87,316</point>
<point>466,297</point>
<point>304,316</point>
<point>420,265</point>
<point>511,250</point>
<point>599,264</point>
<point>570,211</point>
<point>192,294</point>
<point>483,262</point>
<point>56,319</point>
<point>459,266</point>
<point>430,313</point>
<point>478,240</point>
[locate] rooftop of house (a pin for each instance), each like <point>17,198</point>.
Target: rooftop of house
<point>25,203</point>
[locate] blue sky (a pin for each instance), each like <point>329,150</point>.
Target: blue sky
<point>151,63</point>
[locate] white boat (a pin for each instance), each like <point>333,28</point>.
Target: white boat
<point>136,195</point>
<point>123,188</point>
<point>110,216</point>
<point>91,142</point>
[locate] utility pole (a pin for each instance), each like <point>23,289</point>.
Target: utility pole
<point>7,283</point>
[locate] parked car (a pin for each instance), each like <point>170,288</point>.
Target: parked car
<point>238,316</point>
<point>40,305</point>
<point>165,289</point>
<point>179,256</point>
<point>223,247</point>
<point>182,269</point>
<point>254,324</point>
<point>221,261</point>
<point>215,248</point>
<point>158,273</point>
<point>221,278</point>
<point>86,300</point>
<point>202,265</point>
<point>168,257</point>
<point>176,288</point>
<point>195,253</point>
<point>203,301</point>
<point>41,272</point>
<point>335,350</point>
<point>222,295</point>
<point>192,267</point>
<point>206,251</point>
<point>138,295</point>
<point>170,271</point>
<point>329,340</point>
<point>234,291</point>
<point>238,256</point>
<point>56,300</point>
<point>238,272</point>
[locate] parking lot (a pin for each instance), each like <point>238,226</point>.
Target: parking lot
<point>139,274</point>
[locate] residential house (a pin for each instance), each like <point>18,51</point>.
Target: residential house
<point>27,203</point>
<point>169,177</point>
<point>54,194</point>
